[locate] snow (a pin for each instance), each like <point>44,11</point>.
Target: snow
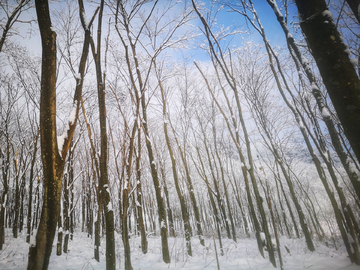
<point>85,20</point>
<point>32,241</point>
<point>325,113</point>
<point>348,52</point>
<point>241,255</point>
<point>109,207</point>
<point>5,199</point>
<point>61,140</point>
<point>327,14</point>
<point>262,236</point>
<point>354,62</point>
<point>78,79</point>
<point>162,225</point>
<point>353,168</point>
<point>301,124</point>
<point>72,115</point>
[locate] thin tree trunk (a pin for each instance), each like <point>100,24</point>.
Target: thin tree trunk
<point>139,203</point>
<point>60,237</point>
<point>31,184</point>
<point>184,208</point>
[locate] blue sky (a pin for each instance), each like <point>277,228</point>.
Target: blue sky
<point>224,18</point>
<point>237,22</point>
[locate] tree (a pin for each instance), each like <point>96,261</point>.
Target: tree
<point>104,188</point>
<point>336,69</point>
<point>53,153</point>
<point>12,17</point>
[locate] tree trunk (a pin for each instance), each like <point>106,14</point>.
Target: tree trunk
<point>104,188</point>
<point>337,72</point>
<point>5,171</point>
<point>17,200</point>
<point>60,237</point>
<point>31,183</point>
<point>52,156</point>
<point>139,203</point>
<point>183,205</point>
<point>39,254</point>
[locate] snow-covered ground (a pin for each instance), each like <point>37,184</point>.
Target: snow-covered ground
<point>241,255</point>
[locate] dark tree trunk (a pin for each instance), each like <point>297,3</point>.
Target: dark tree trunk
<point>31,183</point>
<point>60,237</point>
<point>4,167</point>
<point>139,203</point>
<point>167,200</point>
<point>17,201</point>
<point>337,72</point>
<point>335,137</point>
<point>354,5</point>
<point>104,188</point>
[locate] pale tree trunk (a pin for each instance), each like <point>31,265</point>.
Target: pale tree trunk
<point>139,86</point>
<point>236,139</point>
<point>190,188</point>
<point>218,60</point>
<point>183,205</point>
<point>217,220</point>
<point>221,165</point>
<point>5,174</point>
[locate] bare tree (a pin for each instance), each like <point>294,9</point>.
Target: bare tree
<point>53,153</point>
<point>12,17</point>
<point>336,69</point>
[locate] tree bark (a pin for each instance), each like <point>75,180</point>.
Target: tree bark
<point>354,5</point>
<point>52,157</point>
<point>39,254</point>
<point>332,59</point>
<point>104,188</point>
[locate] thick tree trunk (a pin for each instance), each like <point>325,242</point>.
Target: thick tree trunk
<point>332,59</point>
<point>354,5</point>
<point>53,163</point>
<point>335,139</point>
<point>39,254</point>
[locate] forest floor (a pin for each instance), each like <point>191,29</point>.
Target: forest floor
<point>241,255</point>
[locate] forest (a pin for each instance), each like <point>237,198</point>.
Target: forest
<point>179,129</point>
